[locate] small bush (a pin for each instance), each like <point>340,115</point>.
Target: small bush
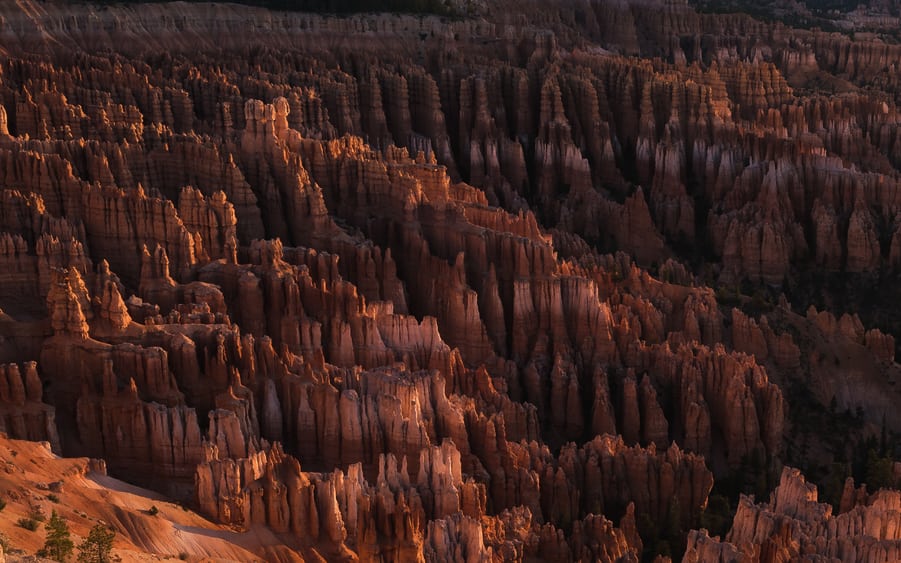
<point>183,556</point>
<point>153,510</point>
<point>2,504</point>
<point>53,498</point>
<point>28,523</point>
<point>37,514</point>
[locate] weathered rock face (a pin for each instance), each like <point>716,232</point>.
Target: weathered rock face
<point>24,415</point>
<point>409,519</point>
<point>793,524</point>
<point>345,278</point>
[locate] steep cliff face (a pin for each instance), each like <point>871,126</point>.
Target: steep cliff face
<point>347,280</point>
<point>25,416</point>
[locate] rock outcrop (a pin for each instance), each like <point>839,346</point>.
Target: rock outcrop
<point>23,413</point>
<point>793,525</point>
<point>451,289</point>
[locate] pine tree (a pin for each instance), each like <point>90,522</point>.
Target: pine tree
<point>58,545</point>
<point>98,545</point>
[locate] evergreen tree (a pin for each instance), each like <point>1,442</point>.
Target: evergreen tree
<point>58,545</point>
<point>878,471</point>
<point>98,545</point>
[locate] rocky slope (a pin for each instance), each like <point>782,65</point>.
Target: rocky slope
<point>35,481</point>
<point>406,288</point>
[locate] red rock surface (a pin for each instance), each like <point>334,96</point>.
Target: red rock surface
<point>793,525</point>
<point>429,289</point>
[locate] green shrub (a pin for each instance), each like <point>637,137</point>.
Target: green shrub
<point>28,523</point>
<point>97,546</point>
<point>37,514</point>
<point>58,545</point>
